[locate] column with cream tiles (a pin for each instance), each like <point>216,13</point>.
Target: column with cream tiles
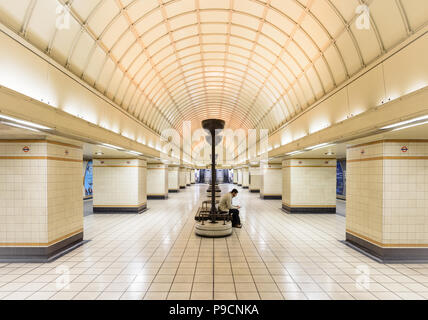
<point>182,177</point>
<point>239,171</point>
<point>271,182</point>
<point>245,177</point>
<point>41,205</point>
<point>387,206</point>
<point>255,178</point>
<point>235,176</point>
<point>188,173</point>
<point>120,185</point>
<point>157,181</point>
<point>192,176</point>
<point>309,186</point>
<point>173,179</point>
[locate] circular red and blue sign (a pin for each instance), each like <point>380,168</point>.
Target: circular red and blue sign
<point>26,149</point>
<point>404,149</point>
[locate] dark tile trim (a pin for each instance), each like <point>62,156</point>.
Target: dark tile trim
<point>114,210</point>
<point>388,255</point>
<point>182,187</point>
<point>188,185</point>
<point>254,191</point>
<point>239,185</point>
<point>271,197</point>
<point>173,191</point>
<point>157,197</point>
<point>245,187</point>
<point>308,210</point>
<point>41,254</point>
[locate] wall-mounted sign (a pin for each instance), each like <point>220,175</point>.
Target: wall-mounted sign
<point>363,151</point>
<point>404,149</point>
<point>66,152</point>
<point>26,149</point>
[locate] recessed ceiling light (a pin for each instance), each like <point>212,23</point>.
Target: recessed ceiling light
<point>18,126</point>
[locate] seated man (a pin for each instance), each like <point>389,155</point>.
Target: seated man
<point>226,205</point>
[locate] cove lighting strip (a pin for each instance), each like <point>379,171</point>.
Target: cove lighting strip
<point>25,123</point>
<point>399,124</point>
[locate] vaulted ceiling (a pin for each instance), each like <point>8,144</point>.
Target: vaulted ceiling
<point>253,63</point>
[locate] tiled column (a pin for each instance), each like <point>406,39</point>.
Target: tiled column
<point>235,176</point>
<point>255,179</point>
<point>192,176</point>
<point>173,179</point>
<point>188,180</point>
<point>309,186</point>
<point>120,185</point>
<point>271,182</point>
<point>387,199</point>
<point>239,171</point>
<point>182,177</point>
<point>245,177</point>
<point>41,206</point>
<point>157,181</point>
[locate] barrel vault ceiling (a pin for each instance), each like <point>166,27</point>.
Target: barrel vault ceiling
<point>253,63</point>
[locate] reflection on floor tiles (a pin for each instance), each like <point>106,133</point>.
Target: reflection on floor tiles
<point>156,255</point>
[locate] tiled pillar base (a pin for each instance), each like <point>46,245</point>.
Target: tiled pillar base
<point>387,199</point>
<point>389,254</point>
<point>120,186</point>
<point>40,227</point>
<point>303,209</point>
<point>309,186</point>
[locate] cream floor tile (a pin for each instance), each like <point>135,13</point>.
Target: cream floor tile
<point>182,295</point>
<point>86,296</point>
<point>156,295</point>
<point>225,296</point>
<point>201,295</point>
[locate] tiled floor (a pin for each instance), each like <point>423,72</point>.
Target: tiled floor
<point>156,255</point>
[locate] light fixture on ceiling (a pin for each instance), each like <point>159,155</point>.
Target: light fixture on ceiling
<point>110,146</point>
<point>403,123</point>
<point>294,153</point>
<point>411,126</point>
<point>10,124</point>
<point>24,123</point>
<point>134,153</point>
<point>318,146</point>
<point>99,153</point>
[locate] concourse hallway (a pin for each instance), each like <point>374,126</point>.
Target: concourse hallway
<point>156,255</point>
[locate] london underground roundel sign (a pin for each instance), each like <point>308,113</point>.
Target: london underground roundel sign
<point>404,149</point>
<point>26,149</point>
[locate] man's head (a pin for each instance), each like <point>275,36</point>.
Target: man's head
<point>234,193</point>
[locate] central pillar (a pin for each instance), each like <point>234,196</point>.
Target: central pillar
<point>182,177</point>
<point>387,199</point>
<point>309,185</point>
<point>235,176</point>
<point>120,185</point>
<point>192,176</point>
<point>271,182</point>
<point>239,170</point>
<point>255,179</point>
<point>188,180</point>
<point>173,179</point>
<point>245,178</point>
<point>157,181</point>
<point>41,207</point>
